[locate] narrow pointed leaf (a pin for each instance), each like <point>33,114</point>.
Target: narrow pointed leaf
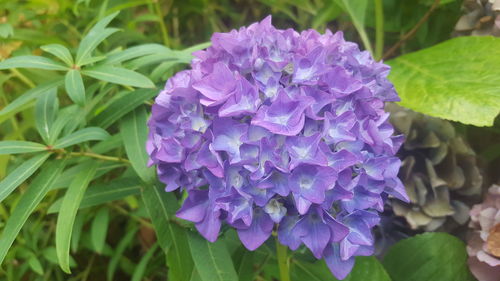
<point>172,238</point>
<point>124,243</point>
<point>212,260</point>
<point>83,135</point>
<point>32,62</point>
<point>16,147</point>
<point>140,269</point>
<point>64,116</point>
<point>20,174</point>
<point>74,86</point>
<point>69,208</point>
<point>103,193</point>
<point>135,52</point>
<point>123,105</point>
<point>29,96</point>
<point>118,75</point>
<point>60,51</point>
<point>99,229</point>
<point>27,204</point>
<point>46,109</point>
<point>134,134</point>
<point>95,36</point>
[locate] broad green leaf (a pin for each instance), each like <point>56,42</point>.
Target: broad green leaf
<point>118,75</point>
<point>45,112</point>
<point>140,269</point>
<point>32,62</point>
<point>365,268</point>
<point>134,133</point>
<point>20,174</point>
<point>29,96</point>
<point>50,254</point>
<point>105,192</point>
<point>135,52</point>
<point>357,11</point>
<point>212,260</point>
<point>456,80</point>
<point>123,105</point>
<point>83,135</point>
<point>27,204</point>
<point>124,243</point>
<point>15,147</point>
<point>69,208</point>
<point>430,256</point>
<point>99,229</point>
<point>95,36</point>
<point>60,51</point>
<point>77,233</point>
<point>172,238</point>
<point>74,86</point>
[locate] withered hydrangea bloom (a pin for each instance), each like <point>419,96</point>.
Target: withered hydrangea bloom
<point>275,128</point>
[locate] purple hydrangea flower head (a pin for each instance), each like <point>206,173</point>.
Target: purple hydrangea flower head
<point>275,129</point>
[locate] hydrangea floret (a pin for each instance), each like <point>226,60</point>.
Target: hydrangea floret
<point>278,130</point>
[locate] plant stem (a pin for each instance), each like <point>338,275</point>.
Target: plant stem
<point>379,29</point>
<point>99,156</point>
<point>283,263</point>
<point>163,27</point>
<point>23,78</point>
<point>412,32</point>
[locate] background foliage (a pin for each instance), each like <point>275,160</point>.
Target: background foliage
<point>77,201</point>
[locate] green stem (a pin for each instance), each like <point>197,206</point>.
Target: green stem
<point>379,29</point>
<point>23,78</point>
<point>163,27</point>
<point>283,262</point>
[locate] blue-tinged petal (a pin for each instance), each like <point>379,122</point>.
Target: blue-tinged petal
<point>305,150</point>
<point>313,231</point>
<point>340,268</point>
<point>284,116</point>
<point>258,232</point>
<point>285,234</point>
<point>217,86</point>
<point>227,137</point>
<point>244,101</point>
<point>275,209</point>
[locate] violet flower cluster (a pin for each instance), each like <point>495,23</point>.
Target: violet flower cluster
<point>275,129</point>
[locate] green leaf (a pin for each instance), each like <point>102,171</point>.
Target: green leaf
<point>45,111</point>
<point>365,268</point>
<point>74,86</point>
<point>29,96</point>
<point>456,80</point>
<point>27,204</point>
<point>60,51</point>
<point>99,229</point>
<point>357,11</point>
<point>118,75</point>
<point>20,174</point>
<point>212,260</point>
<point>83,135</point>
<point>430,257</point>
<point>135,52</point>
<point>15,147</point>
<point>6,30</point>
<point>69,207</point>
<point>134,133</point>
<point>124,243</point>
<point>123,105</point>
<point>105,192</point>
<point>32,62</point>
<point>64,116</point>
<point>95,36</point>
<point>140,269</point>
<point>35,264</point>
<point>172,238</point>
